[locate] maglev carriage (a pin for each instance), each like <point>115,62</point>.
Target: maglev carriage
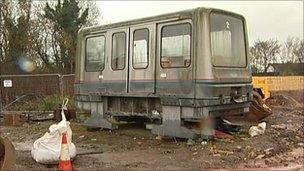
<point>176,68</point>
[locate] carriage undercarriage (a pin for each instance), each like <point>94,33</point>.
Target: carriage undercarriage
<point>169,118</point>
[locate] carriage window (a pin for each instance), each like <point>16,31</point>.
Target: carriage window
<point>227,41</point>
<point>175,45</point>
<point>95,53</point>
<point>140,48</point>
<point>118,51</point>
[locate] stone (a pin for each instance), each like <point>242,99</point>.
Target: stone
<point>260,156</point>
<point>301,144</point>
<point>279,126</point>
<point>190,142</point>
<point>203,143</point>
<point>159,137</point>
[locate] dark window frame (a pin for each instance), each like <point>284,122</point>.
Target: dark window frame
<point>124,62</point>
<point>191,44</point>
<point>244,32</point>
<point>148,48</point>
<point>86,58</point>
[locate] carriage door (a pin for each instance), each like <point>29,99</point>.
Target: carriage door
<point>174,66</point>
<point>141,59</point>
<point>115,77</point>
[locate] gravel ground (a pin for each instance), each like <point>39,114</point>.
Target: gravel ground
<point>133,147</point>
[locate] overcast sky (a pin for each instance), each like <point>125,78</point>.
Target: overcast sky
<point>266,19</point>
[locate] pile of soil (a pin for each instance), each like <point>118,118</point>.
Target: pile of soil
<point>283,100</point>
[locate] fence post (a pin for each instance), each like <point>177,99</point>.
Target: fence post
<point>61,84</point>
<point>67,84</point>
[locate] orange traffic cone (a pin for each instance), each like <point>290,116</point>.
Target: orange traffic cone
<point>65,162</point>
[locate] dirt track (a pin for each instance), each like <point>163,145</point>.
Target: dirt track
<point>133,147</point>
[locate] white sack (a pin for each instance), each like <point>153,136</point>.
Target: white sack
<point>47,149</point>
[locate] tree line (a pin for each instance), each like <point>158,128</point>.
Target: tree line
<point>44,31</point>
<point>265,52</point>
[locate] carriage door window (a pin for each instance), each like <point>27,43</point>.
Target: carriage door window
<point>118,51</point>
<point>175,45</point>
<point>140,48</point>
<point>95,54</point>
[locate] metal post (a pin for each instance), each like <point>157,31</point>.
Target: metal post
<point>1,83</point>
<point>61,85</point>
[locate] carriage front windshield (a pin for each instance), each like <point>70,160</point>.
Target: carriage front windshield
<point>227,41</point>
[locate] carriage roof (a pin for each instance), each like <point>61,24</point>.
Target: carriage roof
<point>178,15</point>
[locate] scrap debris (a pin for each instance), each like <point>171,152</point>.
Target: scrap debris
<point>257,130</point>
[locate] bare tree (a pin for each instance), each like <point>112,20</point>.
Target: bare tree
<point>56,41</point>
<point>94,15</point>
<point>298,50</point>
<point>15,16</point>
<point>5,11</point>
<point>1,33</point>
<point>25,30</point>
<point>264,52</point>
<point>40,37</point>
<point>287,48</point>
<point>292,51</point>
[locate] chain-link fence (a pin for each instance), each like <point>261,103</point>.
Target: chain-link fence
<point>14,86</point>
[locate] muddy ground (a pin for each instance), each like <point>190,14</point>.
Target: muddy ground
<point>134,147</point>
